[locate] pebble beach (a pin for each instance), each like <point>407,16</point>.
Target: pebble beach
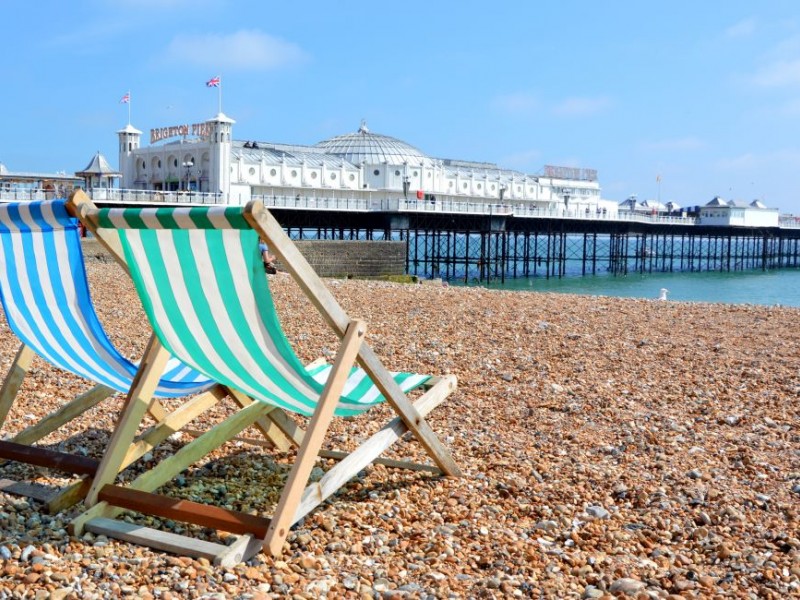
<point>611,448</point>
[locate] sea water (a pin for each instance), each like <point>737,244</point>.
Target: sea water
<point>769,288</point>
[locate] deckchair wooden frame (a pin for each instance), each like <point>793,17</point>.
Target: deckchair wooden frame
<point>21,448</point>
<point>105,501</point>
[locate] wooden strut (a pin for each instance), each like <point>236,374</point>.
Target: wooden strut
<point>317,427</point>
<point>13,381</point>
<point>185,511</point>
<point>43,457</point>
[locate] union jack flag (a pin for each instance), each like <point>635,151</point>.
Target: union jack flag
<point>213,82</point>
<point>125,99</point>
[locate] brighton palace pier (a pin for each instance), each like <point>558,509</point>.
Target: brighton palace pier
<point>458,219</point>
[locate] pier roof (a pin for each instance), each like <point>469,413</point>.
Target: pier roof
<point>98,166</point>
<point>372,148</point>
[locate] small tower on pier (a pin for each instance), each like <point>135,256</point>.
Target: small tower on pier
<point>129,141</point>
<point>219,176</point>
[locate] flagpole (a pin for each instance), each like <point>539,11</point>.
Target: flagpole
<point>219,95</point>
<point>129,107</point>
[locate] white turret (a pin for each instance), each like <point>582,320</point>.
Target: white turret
<point>219,176</point>
<point>129,140</point>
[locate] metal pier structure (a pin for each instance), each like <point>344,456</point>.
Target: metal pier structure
<point>469,247</point>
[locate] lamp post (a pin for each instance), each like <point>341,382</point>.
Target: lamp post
<point>188,166</point>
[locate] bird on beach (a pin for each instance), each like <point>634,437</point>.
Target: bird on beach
<point>662,294</point>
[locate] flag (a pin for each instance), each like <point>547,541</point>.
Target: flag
<point>213,82</point>
<point>125,99</point>
<point>658,178</point>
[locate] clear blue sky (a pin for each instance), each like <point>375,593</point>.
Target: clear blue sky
<point>704,94</point>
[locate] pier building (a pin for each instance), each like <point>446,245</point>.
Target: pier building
<point>377,169</point>
<point>27,182</point>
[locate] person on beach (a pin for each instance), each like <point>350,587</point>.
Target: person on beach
<point>267,258</point>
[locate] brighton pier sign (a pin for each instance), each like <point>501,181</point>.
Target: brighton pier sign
<point>163,133</point>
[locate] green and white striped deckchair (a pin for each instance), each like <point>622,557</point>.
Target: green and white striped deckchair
<point>199,275</point>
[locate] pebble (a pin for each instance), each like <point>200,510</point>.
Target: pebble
<point>627,586</point>
<point>26,553</point>
<point>568,410</point>
<point>591,591</point>
<point>598,512</point>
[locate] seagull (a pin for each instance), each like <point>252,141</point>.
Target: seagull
<point>662,294</point>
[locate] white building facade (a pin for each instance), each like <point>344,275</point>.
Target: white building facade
<point>376,169</point>
<point>732,214</point>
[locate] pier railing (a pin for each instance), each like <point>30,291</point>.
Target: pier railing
<point>125,196</point>
<point>371,203</point>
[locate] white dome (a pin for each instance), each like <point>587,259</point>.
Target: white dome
<point>372,148</point>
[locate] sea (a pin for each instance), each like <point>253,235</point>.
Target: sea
<point>780,287</point>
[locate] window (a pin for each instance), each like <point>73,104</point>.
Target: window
<point>333,176</point>
<point>397,173</point>
<point>175,162</point>
<point>252,171</point>
<point>376,172</point>
<point>480,186</point>
<point>416,173</point>
<point>294,173</point>
<point>159,163</point>
<point>352,177</point>
<point>273,172</point>
<point>313,174</point>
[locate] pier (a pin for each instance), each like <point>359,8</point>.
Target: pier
<point>484,242</point>
<point>462,241</point>
<point>468,248</point>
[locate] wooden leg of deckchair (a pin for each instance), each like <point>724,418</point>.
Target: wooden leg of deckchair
<point>68,496</point>
<point>63,415</point>
<point>266,426</point>
<point>171,423</point>
<point>282,520</point>
<point>173,465</point>
<point>136,404</point>
<point>157,410</point>
<point>290,429</point>
<point>395,396</point>
<point>342,472</point>
<point>13,381</point>
<point>402,406</point>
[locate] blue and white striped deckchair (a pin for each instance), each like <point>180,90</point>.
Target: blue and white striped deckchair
<point>45,296</point>
<point>199,276</point>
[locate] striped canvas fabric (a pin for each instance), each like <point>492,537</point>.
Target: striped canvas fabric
<point>201,280</point>
<point>46,299</point>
